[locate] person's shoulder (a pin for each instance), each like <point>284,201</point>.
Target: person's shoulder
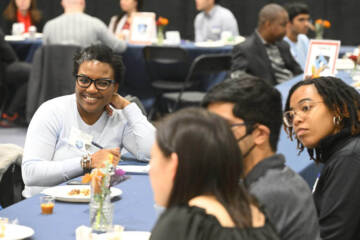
<point>225,12</point>
<point>59,104</point>
<point>282,183</point>
<point>199,17</point>
<point>248,43</point>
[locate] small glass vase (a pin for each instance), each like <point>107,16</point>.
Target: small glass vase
<point>319,33</point>
<point>355,73</point>
<point>160,35</point>
<point>101,209</point>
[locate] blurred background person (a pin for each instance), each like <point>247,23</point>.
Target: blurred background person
<point>120,24</point>
<point>213,20</point>
<point>323,115</point>
<point>22,11</point>
<point>78,28</point>
<point>16,76</point>
<point>297,29</point>
<point>264,53</point>
<point>195,171</point>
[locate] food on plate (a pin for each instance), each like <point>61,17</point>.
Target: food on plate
<point>76,191</point>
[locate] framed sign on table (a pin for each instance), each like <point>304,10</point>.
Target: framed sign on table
<point>143,28</point>
<point>321,58</point>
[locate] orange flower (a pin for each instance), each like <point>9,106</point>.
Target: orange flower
<point>162,21</point>
<point>319,21</point>
<point>326,24</point>
<point>86,178</point>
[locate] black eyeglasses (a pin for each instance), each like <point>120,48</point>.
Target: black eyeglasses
<point>84,81</point>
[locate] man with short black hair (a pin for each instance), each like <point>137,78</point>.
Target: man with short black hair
<point>264,53</point>
<point>296,30</point>
<point>253,109</point>
<point>213,20</point>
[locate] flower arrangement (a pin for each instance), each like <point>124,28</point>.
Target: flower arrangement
<point>355,59</point>
<point>161,23</point>
<point>100,205</point>
<point>320,25</point>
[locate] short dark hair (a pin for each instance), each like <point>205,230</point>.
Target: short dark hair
<point>217,1</point>
<point>101,53</point>
<point>210,161</point>
<point>340,98</point>
<point>254,100</point>
<point>296,8</point>
<point>269,12</point>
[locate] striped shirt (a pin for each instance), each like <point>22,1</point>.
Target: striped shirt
<point>80,29</point>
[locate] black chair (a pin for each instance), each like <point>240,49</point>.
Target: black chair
<point>203,66</point>
<point>51,75</point>
<point>165,66</point>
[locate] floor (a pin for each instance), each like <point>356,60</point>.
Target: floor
<point>13,135</point>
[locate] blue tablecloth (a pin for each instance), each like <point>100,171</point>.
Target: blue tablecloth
<point>135,211</point>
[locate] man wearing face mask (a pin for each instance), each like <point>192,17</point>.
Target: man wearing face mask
<point>253,109</point>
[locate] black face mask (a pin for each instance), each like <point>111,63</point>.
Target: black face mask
<point>250,149</point>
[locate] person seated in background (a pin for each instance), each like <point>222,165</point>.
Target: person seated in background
<point>323,115</point>
<point>253,109</point>
<point>22,11</point>
<point>16,75</point>
<point>264,54</point>
<point>77,28</point>
<point>66,134</point>
<point>213,20</point>
<point>296,30</point>
<point>194,171</point>
<point>120,24</point>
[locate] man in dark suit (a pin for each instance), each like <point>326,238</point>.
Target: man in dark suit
<point>264,53</point>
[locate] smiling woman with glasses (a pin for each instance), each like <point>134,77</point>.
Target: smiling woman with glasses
<point>72,134</point>
<point>323,115</point>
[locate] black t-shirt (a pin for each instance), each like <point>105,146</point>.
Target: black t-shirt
<point>193,223</point>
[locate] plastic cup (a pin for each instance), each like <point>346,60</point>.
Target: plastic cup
<point>47,204</point>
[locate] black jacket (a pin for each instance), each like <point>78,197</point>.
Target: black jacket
<point>337,193</point>
<point>250,56</point>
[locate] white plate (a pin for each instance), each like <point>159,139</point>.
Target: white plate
<point>127,235</point>
<point>134,168</point>
<point>61,193</point>
<point>15,232</point>
<point>210,44</point>
<point>130,235</point>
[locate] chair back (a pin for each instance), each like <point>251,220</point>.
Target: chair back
<point>209,64</point>
<point>165,65</point>
<point>164,55</point>
<point>51,75</point>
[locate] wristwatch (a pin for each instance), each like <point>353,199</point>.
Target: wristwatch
<point>85,162</point>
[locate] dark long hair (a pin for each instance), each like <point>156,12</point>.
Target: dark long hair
<point>10,12</point>
<point>210,161</point>
<point>340,98</point>
<point>118,18</point>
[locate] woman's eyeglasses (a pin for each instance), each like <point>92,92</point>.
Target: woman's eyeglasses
<point>302,110</point>
<point>101,84</point>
